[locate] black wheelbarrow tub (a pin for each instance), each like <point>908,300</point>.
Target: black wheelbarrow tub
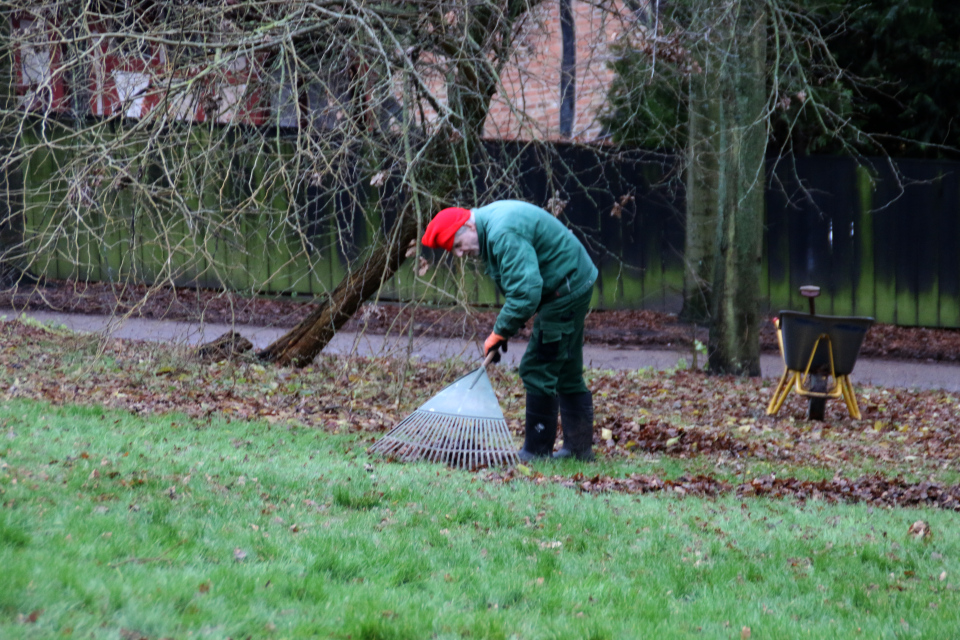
<point>800,331</point>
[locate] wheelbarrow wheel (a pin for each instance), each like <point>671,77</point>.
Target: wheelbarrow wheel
<point>818,406</point>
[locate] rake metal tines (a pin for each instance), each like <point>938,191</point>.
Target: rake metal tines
<point>456,441</point>
<point>462,427</point>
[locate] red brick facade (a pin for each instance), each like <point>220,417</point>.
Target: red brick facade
<point>527,108</point>
<point>532,80</point>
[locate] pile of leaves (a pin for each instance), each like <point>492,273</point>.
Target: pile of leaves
<point>714,429</point>
<point>686,413</point>
<point>873,489</point>
<point>628,328</point>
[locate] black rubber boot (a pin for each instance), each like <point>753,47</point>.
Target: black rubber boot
<point>540,431</point>
<point>576,418</point>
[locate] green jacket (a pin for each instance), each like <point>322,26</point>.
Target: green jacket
<point>532,257</point>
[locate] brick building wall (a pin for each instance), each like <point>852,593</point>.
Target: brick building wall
<point>527,108</point>
<point>529,105</point>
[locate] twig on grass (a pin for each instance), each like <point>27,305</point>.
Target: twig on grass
<point>134,560</point>
<point>114,565</point>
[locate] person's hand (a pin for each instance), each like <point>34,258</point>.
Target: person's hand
<point>494,342</point>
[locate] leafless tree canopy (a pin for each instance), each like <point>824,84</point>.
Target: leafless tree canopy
<point>295,145</point>
<point>147,141</point>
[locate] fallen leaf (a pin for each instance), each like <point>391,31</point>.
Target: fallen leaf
<point>920,530</point>
<point>239,554</point>
<point>744,633</point>
<point>525,470</point>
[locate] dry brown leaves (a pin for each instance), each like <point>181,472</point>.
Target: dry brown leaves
<point>688,413</point>
<point>874,490</point>
<point>141,377</point>
<point>897,454</point>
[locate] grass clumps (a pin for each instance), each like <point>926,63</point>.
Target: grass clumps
<point>352,498</point>
<point>115,525</point>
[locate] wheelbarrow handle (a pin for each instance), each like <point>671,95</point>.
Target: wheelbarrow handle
<point>810,291</point>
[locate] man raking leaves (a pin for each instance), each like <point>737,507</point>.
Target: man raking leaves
<point>541,269</point>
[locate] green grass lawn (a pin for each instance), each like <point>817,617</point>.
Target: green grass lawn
<point>118,525</point>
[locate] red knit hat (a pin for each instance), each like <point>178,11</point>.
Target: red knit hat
<point>440,231</point>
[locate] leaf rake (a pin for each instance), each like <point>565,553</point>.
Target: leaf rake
<point>462,427</point>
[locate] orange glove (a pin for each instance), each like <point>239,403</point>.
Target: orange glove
<point>494,342</point>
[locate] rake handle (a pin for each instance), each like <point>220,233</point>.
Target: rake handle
<point>486,361</point>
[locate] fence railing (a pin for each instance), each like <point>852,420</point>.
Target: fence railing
<point>879,240</point>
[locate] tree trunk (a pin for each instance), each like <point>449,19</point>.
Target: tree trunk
<point>299,346</point>
<point>440,171</point>
<point>735,318</point>
<point>702,197</point>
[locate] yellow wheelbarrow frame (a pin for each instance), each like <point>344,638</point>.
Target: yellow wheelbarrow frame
<point>798,379</point>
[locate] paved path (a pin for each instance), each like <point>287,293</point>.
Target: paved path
<point>886,373</point>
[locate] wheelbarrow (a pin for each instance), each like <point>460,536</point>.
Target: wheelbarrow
<point>819,353</point>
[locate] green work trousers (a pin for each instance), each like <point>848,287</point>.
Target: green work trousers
<point>553,362</point>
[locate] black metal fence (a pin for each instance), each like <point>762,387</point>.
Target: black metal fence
<point>879,239</point>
